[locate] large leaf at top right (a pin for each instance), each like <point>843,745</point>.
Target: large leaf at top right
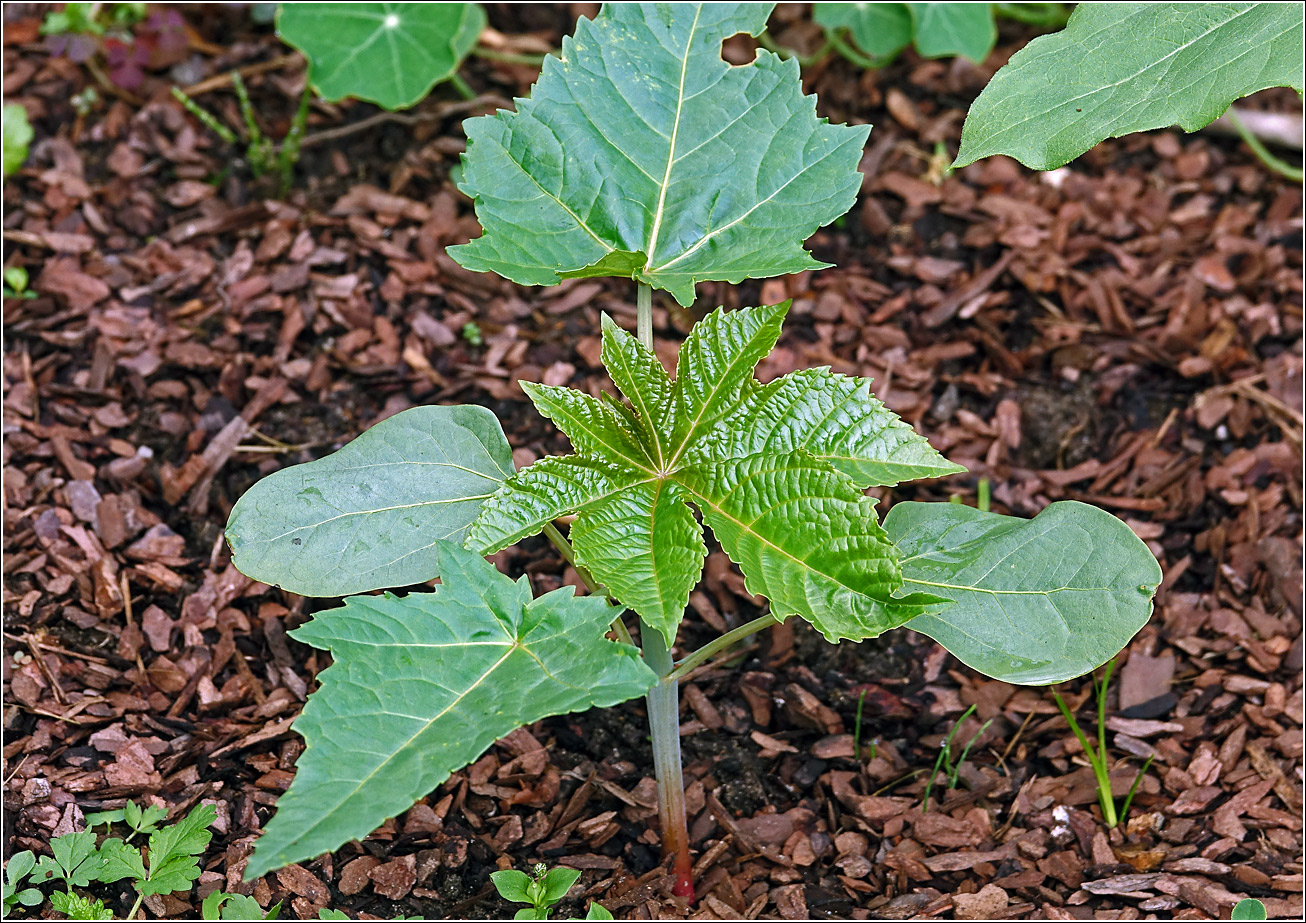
<point>1035,601</point>
<point>1118,68</point>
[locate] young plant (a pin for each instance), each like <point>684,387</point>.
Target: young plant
<point>945,761</point>
<point>130,38</point>
<point>15,283</point>
<point>18,867</point>
<point>642,154</point>
<point>542,890</point>
<point>141,821</point>
<point>879,31</point>
<point>1097,756</point>
<point>219,906</point>
<point>1148,65</point>
<point>18,136</point>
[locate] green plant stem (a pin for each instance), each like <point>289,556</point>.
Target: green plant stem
<point>852,54</point>
<point>461,86</point>
<point>664,700</point>
<point>983,496</point>
<point>734,636</point>
<point>591,585</point>
<point>222,131</point>
<point>288,156</point>
<point>1098,762</point>
<point>1262,153</point>
<point>509,57</point>
<point>131,914</point>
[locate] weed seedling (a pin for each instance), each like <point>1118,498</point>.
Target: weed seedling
<point>19,866</point>
<point>1097,756</point>
<point>542,889</point>
<point>945,761</point>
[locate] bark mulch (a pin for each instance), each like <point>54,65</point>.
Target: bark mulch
<point>1126,331</point>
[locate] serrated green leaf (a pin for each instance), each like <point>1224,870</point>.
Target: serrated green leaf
<point>758,461</point>
<point>806,539</point>
<point>613,167</point>
<point>119,860</point>
<point>174,852</point>
<point>835,419</point>
<point>1118,68</point>
<point>75,860</point>
<point>421,685</point>
<point>943,30</point>
<point>391,54</point>
<point>592,425</point>
<point>18,136</point>
<point>648,547</point>
<point>368,516</point>
<point>76,907</point>
<point>1034,601</point>
<point>879,29</point>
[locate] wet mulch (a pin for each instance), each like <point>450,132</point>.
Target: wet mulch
<point>1125,331</point>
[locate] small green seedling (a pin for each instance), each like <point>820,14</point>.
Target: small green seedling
<point>18,136</point>
<point>219,906</point>
<point>944,760</point>
<point>472,333</point>
<point>642,154</point>
<point>857,732</point>
<point>542,889</point>
<point>144,821</point>
<point>18,867</point>
<point>1249,908</point>
<point>15,283</point>
<point>79,907</point>
<point>1097,757</point>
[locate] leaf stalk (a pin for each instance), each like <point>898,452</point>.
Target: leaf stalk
<point>732,637</point>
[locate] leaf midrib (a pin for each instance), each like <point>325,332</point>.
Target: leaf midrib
<point>671,147</point>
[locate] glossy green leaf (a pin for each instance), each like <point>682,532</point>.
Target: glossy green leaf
<point>879,29</point>
<point>1035,601</point>
<point>774,469</point>
<point>614,166</point>
<point>947,29</point>
<point>17,136</point>
<point>387,53</point>
<point>77,907</point>
<point>369,515</point>
<point>421,685</point>
<point>511,885</point>
<point>1124,67</point>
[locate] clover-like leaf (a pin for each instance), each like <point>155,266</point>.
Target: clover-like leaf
<point>387,53</point>
<point>775,470</point>
<point>369,515</point>
<point>1034,601</point>
<point>614,166</point>
<point>1124,67</point>
<point>423,684</point>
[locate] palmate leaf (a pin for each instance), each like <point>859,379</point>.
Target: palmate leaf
<point>421,685</point>
<point>775,471</point>
<point>370,515</point>
<point>1034,601</point>
<point>387,53</point>
<point>614,166</point>
<point>1124,67</point>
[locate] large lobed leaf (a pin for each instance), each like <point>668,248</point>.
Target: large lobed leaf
<point>774,469</point>
<point>370,515</point>
<point>1033,601</point>
<point>387,53</point>
<point>642,153</point>
<point>421,685</point>
<point>1124,67</point>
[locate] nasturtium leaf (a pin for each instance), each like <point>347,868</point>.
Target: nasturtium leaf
<point>369,515</point>
<point>387,53</point>
<point>879,29</point>
<point>775,470</point>
<point>422,684</point>
<point>1124,67</point>
<point>1035,601</point>
<point>641,153</point>
<point>947,29</point>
